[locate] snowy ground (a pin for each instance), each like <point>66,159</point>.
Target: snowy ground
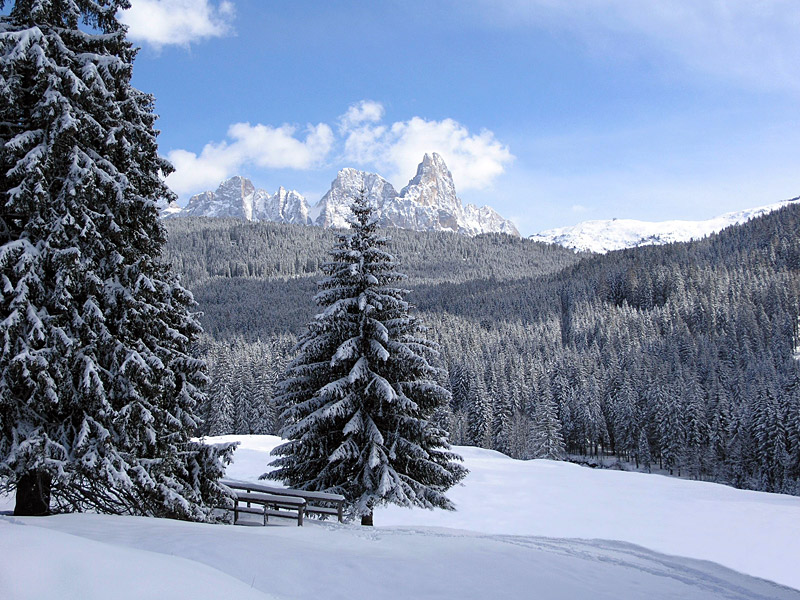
<point>491,547</point>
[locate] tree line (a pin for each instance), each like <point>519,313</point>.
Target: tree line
<point>676,357</point>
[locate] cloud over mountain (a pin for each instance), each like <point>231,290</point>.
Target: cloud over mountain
<point>361,137</point>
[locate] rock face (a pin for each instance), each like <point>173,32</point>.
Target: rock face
<point>233,198</point>
<point>285,206</point>
<point>427,203</point>
<point>334,207</point>
<point>433,185</point>
<point>170,210</point>
<point>237,197</point>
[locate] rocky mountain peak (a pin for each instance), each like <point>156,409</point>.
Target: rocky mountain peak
<point>334,207</point>
<point>238,197</point>
<point>433,185</point>
<point>236,186</point>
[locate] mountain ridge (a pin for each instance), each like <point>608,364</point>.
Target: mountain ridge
<point>601,236</point>
<point>428,203</point>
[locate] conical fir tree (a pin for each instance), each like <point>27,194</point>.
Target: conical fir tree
<point>358,399</point>
<point>97,386</point>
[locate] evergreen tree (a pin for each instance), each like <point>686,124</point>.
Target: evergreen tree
<point>221,417</point>
<point>98,388</point>
<point>669,427</point>
<point>358,399</point>
<point>502,423</point>
<point>643,456</point>
<point>625,423</point>
<point>546,439</point>
<point>479,414</point>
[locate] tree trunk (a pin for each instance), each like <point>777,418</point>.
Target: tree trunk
<point>33,494</point>
<point>366,520</point>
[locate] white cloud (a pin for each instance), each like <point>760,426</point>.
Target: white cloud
<point>366,111</point>
<point>752,42</point>
<point>475,160</point>
<point>177,22</point>
<point>258,145</point>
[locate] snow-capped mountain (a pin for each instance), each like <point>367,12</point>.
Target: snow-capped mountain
<point>616,234</point>
<point>427,203</point>
<point>169,210</point>
<point>238,197</point>
<point>334,207</point>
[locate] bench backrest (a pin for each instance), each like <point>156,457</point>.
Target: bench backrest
<point>278,491</point>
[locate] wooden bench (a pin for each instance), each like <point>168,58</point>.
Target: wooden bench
<point>268,505</point>
<point>320,503</point>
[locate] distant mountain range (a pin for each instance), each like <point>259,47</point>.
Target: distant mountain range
<point>617,234</point>
<point>427,203</point>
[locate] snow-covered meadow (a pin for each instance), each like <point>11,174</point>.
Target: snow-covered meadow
<point>523,529</point>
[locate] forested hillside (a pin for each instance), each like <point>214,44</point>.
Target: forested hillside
<point>677,357</point>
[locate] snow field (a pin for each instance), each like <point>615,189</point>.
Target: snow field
<point>94,557</point>
<point>752,532</point>
<point>492,547</point>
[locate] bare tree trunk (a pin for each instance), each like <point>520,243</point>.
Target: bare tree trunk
<point>366,520</point>
<point>33,494</point>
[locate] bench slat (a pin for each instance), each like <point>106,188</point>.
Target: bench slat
<point>270,499</point>
<point>252,510</point>
<point>281,513</point>
<point>324,510</point>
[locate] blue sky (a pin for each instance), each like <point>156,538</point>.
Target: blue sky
<point>551,111</point>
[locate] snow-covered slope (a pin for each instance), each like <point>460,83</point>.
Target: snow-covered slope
<point>616,234</point>
<point>753,532</point>
<point>48,563</point>
<point>427,203</point>
<point>170,210</point>
<point>96,557</point>
<point>491,547</point>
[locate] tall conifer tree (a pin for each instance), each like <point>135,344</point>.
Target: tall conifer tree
<point>546,439</point>
<point>98,388</point>
<point>358,399</point>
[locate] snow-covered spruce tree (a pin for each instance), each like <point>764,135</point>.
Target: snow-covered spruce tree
<point>546,440</point>
<point>357,400</point>
<point>97,386</point>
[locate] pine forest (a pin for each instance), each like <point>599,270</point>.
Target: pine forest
<point>677,359</point>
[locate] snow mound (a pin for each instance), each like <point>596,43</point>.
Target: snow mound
<point>53,564</point>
